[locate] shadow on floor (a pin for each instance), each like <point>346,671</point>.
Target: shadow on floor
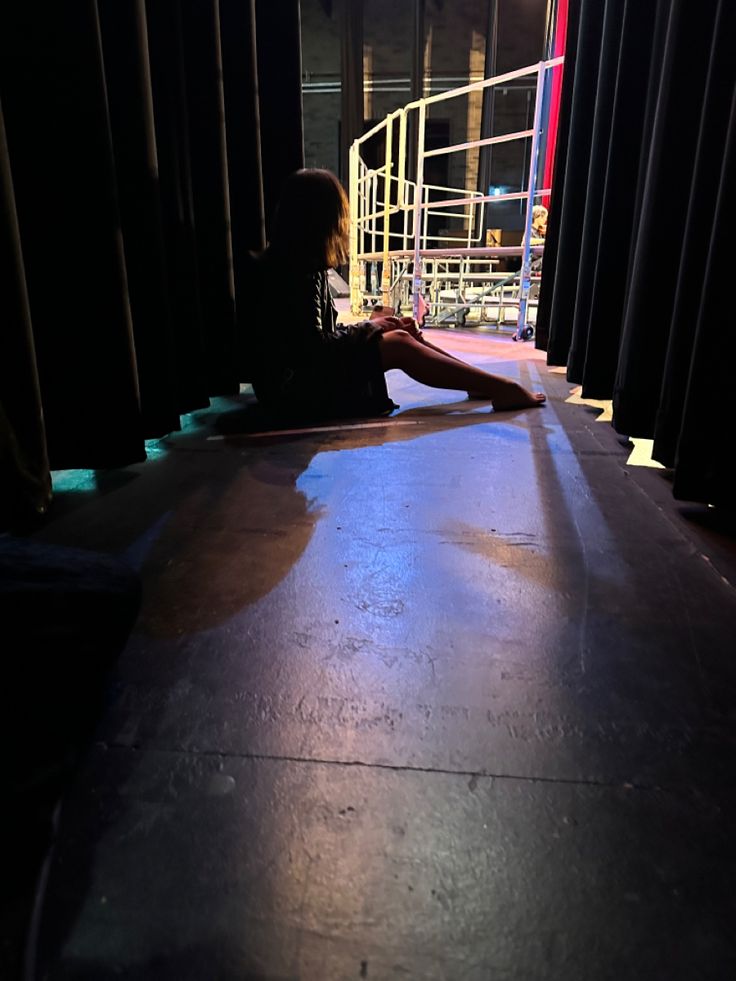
<point>212,540</point>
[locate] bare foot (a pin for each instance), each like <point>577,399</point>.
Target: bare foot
<point>518,397</point>
<point>513,396</point>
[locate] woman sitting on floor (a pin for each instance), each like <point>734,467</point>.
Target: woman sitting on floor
<point>302,363</point>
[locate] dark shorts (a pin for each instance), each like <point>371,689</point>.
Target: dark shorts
<point>347,381</point>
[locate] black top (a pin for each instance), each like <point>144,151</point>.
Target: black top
<point>301,362</point>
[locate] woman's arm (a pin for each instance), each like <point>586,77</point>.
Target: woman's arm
<point>312,318</point>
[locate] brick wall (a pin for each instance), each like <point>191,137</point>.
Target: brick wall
<point>320,62</point>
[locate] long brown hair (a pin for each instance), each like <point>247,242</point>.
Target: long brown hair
<point>312,221</point>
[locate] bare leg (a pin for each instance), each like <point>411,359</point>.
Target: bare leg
<point>439,350</point>
<point>433,367</point>
<point>423,340</point>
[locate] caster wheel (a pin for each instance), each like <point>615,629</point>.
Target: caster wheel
<point>527,333</point>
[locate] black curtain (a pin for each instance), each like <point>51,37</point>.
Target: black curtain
<point>634,299</point>
<point>24,475</point>
<point>134,173</point>
<point>351,77</point>
<point>280,92</point>
<point>551,247</point>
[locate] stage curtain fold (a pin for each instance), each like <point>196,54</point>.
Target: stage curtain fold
<point>599,330</point>
<point>657,250</point>
<point>24,471</point>
<point>704,462</point>
<point>551,248</point>
<point>133,197</point>
<point>52,87</point>
<point>128,83</point>
<point>242,126</point>
<point>603,99</point>
<point>279,61</point>
<point>630,301</point>
<point>570,214</point>
<point>708,175</point>
<point>210,199</point>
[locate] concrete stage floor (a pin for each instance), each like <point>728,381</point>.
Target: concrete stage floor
<point>449,698</point>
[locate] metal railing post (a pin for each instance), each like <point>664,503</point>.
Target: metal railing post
<point>374,209</point>
<point>418,199</point>
<point>526,258</point>
<point>356,293</point>
<point>386,270</point>
<point>402,158</point>
<point>362,212</point>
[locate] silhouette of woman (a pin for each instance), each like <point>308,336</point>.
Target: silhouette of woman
<point>303,363</point>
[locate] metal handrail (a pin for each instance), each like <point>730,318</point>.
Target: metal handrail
<point>379,193</point>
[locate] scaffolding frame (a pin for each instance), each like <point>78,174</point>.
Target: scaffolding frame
<point>408,254</point>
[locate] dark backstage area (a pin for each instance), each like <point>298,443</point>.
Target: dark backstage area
<point>367,508</point>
